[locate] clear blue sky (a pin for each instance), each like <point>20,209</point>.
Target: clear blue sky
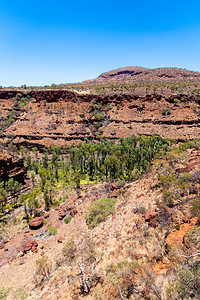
<point>44,42</point>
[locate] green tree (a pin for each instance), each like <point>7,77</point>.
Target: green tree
<point>3,196</point>
<point>13,187</point>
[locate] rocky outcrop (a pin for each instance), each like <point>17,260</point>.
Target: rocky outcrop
<point>176,238</point>
<point>12,167</point>
<point>63,117</point>
<point>28,245</point>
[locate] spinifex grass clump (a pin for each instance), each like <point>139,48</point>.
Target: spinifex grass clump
<point>67,219</point>
<point>99,210</point>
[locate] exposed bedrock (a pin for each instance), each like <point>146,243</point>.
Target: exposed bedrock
<point>62,117</point>
<point>12,167</point>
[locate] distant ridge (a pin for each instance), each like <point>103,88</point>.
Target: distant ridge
<point>129,74</point>
<point>123,72</point>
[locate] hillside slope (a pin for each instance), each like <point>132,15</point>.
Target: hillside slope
<point>135,248</point>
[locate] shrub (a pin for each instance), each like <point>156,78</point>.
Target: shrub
<point>166,175</point>
<point>188,282</point>
<point>87,250</point>
<point>4,293</point>
<point>59,263</point>
<point>121,279</point>
<point>176,100</point>
<point>67,219</point>
<point>20,293</point>
<point>195,143</point>
<point>43,270</point>
<point>166,111</point>
<point>99,210</point>
<point>52,230</point>
<point>192,237</point>
<point>196,176</point>
<point>185,178</point>
<point>136,174</point>
<point>169,197</point>
<point>176,154</point>
<point>69,250</point>
<point>121,183</point>
<point>195,207</point>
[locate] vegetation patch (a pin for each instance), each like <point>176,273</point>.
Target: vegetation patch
<point>43,270</point>
<point>52,230</point>
<point>67,219</point>
<point>99,210</point>
<point>69,250</point>
<point>21,294</point>
<point>195,207</point>
<point>4,293</point>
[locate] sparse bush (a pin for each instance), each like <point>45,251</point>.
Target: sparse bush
<point>122,279</point>
<point>166,111</point>
<point>136,174</point>
<point>67,219</point>
<point>20,293</point>
<point>195,207</point>
<point>99,116</point>
<point>43,270</point>
<point>192,237</point>
<point>169,197</point>
<point>69,250</point>
<point>187,282</point>
<point>86,261</point>
<point>121,183</point>
<point>196,176</point>
<point>185,178</point>
<point>52,230</point>
<point>176,101</point>
<point>166,175</point>
<point>99,210</point>
<point>87,250</point>
<point>141,210</point>
<point>195,143</point>
<point>176,154</point>
<point>4,293</point>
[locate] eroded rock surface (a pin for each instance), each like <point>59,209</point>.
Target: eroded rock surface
<point>61,117</point>
<point>12,167</point>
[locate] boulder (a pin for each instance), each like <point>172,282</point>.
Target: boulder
<point>135,210</point>
<point>114,186</point>
<point>20,254</point>
<point>34,249</point>
<point>73,212</point>
<point>150,214</point>
<point>62,214</point>
<point>46,215</point>
<point>61,239</point>
<point>36,223</point>
<point>114,194</point>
